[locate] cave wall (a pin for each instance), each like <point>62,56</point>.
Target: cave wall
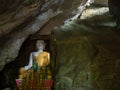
<point>114,8</point>
<point>28,19</point>
<point>88,52</point>
<point>24,19</point>
<point>11,70</point>
<point>102,2</point>
<point>88,59</point>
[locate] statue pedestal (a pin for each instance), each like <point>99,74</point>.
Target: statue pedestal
<point>47,84</point>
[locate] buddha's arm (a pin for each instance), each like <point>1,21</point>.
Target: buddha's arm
<point>30,62</point>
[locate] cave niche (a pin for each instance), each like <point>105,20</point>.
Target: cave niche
<point>11,70</point>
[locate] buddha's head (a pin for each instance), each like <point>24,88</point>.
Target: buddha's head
<point>40,44</point>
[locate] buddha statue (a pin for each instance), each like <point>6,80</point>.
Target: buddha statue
<point>34,71</point>
<point>39,58</point>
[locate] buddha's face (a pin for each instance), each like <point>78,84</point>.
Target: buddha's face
<point>40,45</point>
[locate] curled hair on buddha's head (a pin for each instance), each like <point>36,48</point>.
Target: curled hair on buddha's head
<point>40,42</point>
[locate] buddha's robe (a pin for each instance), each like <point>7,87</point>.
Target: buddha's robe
<point>43,59</point>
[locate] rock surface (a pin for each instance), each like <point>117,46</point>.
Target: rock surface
<point>101,2</point>
<point>27,20</point>
<point>87,49</point>
<point>88,52</point>
<point>114,8</point>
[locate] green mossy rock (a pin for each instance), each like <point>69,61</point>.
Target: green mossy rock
<point>88,55</point>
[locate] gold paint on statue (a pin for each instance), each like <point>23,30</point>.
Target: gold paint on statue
<point>43,59</point>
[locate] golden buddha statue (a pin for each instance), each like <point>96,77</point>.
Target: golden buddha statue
<point>39,58</point>
<point>34,73</point>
